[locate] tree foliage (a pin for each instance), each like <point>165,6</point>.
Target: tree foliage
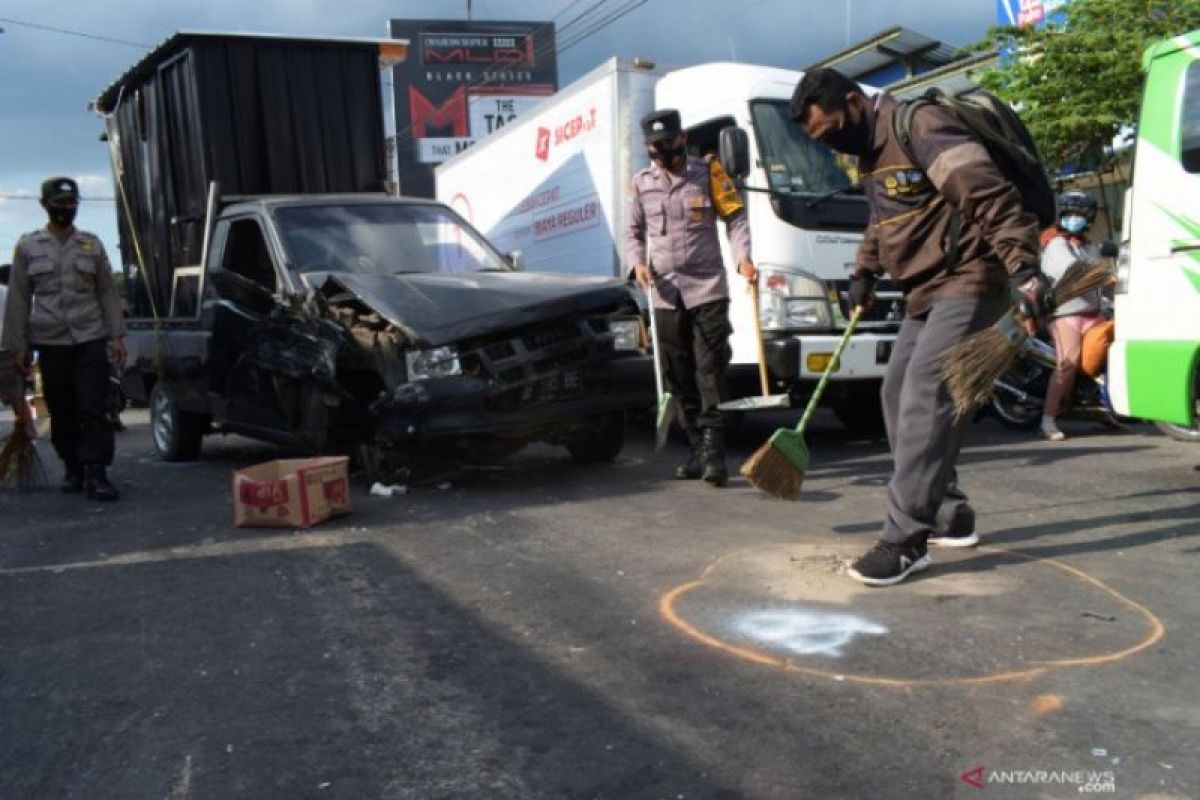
<point>1078,83</point>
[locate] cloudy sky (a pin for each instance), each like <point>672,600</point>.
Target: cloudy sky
<point>48,77</point>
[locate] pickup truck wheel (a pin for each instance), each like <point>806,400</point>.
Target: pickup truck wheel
<point>599,442</point>
<point>177,434</point>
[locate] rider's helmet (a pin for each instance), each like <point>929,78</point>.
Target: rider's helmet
<point>1076,211</point>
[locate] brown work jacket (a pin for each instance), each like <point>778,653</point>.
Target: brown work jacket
<point>911,231</point>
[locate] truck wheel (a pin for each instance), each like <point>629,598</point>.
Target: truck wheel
<point>177,434</point>
<point>601,441</point>
<point>861,413</point>
<point>1183,433</point>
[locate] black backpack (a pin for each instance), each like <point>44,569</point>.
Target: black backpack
<point>1001,132</point>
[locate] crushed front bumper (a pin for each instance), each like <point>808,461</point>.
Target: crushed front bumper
<point>465,405</point>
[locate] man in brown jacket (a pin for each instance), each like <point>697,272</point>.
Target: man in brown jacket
<point>62,302</point>
<point>952,231</point>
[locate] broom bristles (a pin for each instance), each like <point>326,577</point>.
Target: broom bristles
<point>20,460</point>
<point>1080,278</point>
<point>972,367</point>
<point>773,472</point>
<point>19,457</point>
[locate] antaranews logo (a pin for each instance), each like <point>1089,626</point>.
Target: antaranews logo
<point>973,777</point>
<point>1085,781</point>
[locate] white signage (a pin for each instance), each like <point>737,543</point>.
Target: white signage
<point>491,112</point>
<point>438,149</point>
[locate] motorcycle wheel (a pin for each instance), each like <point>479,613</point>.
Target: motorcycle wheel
<point>1015,414</point>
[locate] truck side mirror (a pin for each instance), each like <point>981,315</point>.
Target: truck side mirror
<point>734,148</point>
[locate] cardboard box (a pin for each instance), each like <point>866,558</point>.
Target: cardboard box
<point>291,493</point>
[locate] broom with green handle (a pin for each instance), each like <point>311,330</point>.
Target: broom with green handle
<point>778,466</point>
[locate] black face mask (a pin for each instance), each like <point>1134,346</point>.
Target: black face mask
<point>63,217</point>
<point>667,155</point>
<point>853,138</point>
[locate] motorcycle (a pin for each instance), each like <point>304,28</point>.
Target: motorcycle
<point>1020,394</point>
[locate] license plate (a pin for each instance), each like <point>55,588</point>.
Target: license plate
<point>558,387</point>
<point>883,352</point>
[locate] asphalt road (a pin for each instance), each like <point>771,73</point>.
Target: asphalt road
<point>550,630</point>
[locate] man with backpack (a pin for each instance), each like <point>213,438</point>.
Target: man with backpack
<point>951,223</point>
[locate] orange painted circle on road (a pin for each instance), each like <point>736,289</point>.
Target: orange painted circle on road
<point>1155,632</point>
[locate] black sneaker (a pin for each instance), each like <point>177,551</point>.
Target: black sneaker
<point>955,526</point>
<point>948,539</point>
<point>887,563</point>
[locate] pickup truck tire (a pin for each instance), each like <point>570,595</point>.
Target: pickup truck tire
<point>176,434</point>
<point>599,442</point>
<point>861,413</point>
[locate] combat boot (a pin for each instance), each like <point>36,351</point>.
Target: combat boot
<point>714,457</point>
<point>96,485</point>
<point>693,468</point>
<point>72,481</point>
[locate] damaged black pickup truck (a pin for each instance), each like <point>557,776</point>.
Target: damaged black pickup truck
<point>338,321</point>
<point>277,291</point>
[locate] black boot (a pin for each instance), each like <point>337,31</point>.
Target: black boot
<point>96,485</point>
<point>694,467</point>
<point>72,481</point>
<point>714,457</point>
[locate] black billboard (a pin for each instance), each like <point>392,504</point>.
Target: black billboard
<point>461,81</point>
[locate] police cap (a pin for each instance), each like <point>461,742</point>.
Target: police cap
<point>59,189</point>
<point>661,126</point>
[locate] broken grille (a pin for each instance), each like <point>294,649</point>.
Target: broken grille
<point>537,353</point>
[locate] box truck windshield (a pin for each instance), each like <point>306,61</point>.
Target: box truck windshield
<point>794,162</point>
<point>383,239</point>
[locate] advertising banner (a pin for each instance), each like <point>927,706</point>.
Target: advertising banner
<point>461,81</point>
<point>1023,13</point>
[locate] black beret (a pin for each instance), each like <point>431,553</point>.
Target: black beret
<point>660,126</point>
<point>57,188</point>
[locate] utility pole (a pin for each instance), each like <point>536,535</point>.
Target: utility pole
<point>468,10</point>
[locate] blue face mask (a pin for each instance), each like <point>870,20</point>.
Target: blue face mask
<point>1073,223</point>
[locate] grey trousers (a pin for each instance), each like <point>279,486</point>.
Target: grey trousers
<point>923,495</point>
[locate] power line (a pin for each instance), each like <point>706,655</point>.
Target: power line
<point>628,8</point>
<point>565,9</point>
<point>80,34</point>
<point>12,196</point>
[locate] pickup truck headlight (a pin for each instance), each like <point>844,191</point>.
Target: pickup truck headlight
<point>437,362</point>
<point>627,334</point>
<point>793,300</point>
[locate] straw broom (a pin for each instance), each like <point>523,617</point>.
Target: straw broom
<point>19,457</point>
<point>778,466</point>
<point>971,367</point>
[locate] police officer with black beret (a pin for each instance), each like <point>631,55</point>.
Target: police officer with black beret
<point>672,247</point>
<point>62,301</point>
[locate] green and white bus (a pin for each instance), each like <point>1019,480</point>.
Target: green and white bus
<point>1153,363</point>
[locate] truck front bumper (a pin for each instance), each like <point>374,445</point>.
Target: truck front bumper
<point>802,357</point>
<point>464,405</point>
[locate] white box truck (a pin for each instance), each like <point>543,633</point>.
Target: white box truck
<point>553,186</point>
